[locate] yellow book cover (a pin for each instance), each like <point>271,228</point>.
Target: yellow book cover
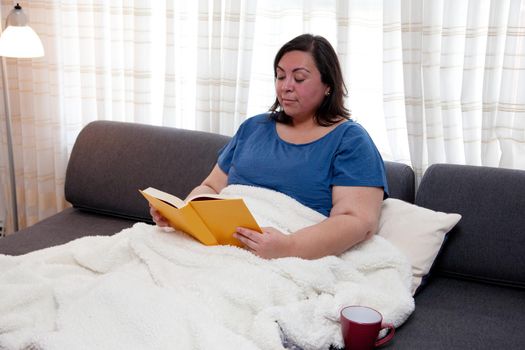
<point>211,219</point>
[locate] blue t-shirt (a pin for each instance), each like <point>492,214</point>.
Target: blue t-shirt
<point>346,156</point>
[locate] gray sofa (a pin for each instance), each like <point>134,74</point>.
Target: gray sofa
<point>474,297</point>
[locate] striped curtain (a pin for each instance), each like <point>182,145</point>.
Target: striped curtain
<point>464,81</point>
<point>431,80</point>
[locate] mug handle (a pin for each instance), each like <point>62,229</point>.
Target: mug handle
<point>388,336</point>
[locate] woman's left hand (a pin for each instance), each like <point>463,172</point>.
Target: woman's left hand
<point>271,243</point>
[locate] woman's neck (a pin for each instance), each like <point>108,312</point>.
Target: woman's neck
<point>302,131</point>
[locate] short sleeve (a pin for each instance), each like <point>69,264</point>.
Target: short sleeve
<point>358,162</point>
<point>226,154</point>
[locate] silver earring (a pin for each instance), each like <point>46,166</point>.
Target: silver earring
<point>327,93</point>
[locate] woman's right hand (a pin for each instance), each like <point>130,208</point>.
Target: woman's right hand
<point>157,217</point>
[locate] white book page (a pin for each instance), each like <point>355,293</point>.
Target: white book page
<point>166,197</point>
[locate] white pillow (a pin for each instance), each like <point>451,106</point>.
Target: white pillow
<point>417,232</point>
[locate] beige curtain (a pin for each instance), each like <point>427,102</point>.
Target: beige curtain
<point>464,81</point>
<point>438,81</point>
<point>431,80</point>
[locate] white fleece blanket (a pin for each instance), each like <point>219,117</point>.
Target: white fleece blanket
<point>146,288</point>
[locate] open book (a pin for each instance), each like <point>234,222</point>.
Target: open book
<point>211,219</point>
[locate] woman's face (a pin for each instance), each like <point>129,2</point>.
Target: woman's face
<point>298,85</point>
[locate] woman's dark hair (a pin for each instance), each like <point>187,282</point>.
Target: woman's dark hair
<point>332,108</point>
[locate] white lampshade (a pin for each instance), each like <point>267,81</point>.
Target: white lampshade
<point>18,39</point>
<point>21,42</point>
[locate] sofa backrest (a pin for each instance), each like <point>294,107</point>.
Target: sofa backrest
<point>401,181</point>
<point>488,243</point>
<point>111,161</point>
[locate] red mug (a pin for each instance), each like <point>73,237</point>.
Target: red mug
<point>361,326</point>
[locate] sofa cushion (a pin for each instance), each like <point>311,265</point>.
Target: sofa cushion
<point>111,161</point>
<point>417,232</point>
<point>61,228</point>
<point>488,244</point>
<point>454,314</point>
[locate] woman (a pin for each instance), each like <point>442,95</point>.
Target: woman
<point>308,148</point>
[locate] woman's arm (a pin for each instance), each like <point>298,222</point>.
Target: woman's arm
<point>354,218</point>
<point>214,183</point>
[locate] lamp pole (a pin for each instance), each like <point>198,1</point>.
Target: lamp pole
<point>11,160</point>
<point>17,40</point>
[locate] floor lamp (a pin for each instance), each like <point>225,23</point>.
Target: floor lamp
<point>20,41</point>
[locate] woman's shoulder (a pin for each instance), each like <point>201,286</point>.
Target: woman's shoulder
<point>353,133</point>
<point>257,121</point>
<point>350,125</point>
<point>256,124</point>
<point>351,128</point>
